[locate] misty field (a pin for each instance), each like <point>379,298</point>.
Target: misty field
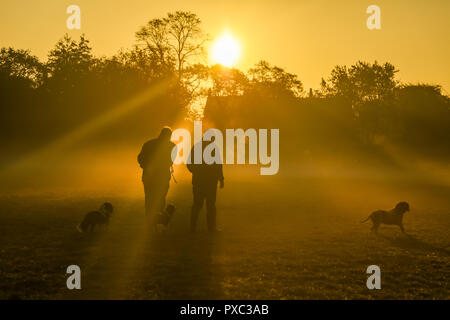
<point>292,236</point>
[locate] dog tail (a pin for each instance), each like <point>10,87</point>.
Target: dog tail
<point>366,219</point>
<point>82,227</point>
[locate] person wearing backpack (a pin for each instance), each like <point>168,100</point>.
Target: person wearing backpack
<point>205,178</point>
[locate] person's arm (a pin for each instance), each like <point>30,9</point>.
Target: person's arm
<point>174,150</point>
<point>141,157</point>
<point>219,167</point>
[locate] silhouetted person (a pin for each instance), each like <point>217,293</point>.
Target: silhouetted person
<point>156,161</point>
<point>204,183</point>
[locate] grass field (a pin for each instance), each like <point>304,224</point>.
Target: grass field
<point>284,237</point>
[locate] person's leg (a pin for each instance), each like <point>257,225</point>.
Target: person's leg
<point>152,196</point>
<point>211,207</point>
<point>162,197</point>
<point>148,199</point>
<point>196,206</point>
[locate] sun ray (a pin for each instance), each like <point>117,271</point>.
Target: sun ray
<point>46,153</point>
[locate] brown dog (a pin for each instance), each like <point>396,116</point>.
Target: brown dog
<point>392,217</point>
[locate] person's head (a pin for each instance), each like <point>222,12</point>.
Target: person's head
<point>165,134</point>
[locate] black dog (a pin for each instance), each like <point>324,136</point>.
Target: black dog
<point>163,218</point>
<point>93,218</point>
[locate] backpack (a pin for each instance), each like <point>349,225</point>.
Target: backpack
<point>148,149</point>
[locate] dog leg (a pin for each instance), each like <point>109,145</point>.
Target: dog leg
<point>375,228</point>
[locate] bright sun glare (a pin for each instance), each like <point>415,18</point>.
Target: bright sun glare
<point>225,50</point>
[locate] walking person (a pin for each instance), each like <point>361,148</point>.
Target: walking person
<point>155,160</point>
<point>205,178</point>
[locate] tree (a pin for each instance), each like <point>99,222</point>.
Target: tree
<point>184,27</point>
<point>369,89</point>
<point>194,90</point>
<point>154,40</point>
<point>144,62</point>
<point>422,116</point>
<point>21,66</point>
<point>273,81</point>
<point>362,82</point>
<point>174,40</point>
<point>227,82</point>
<point>70,60</point>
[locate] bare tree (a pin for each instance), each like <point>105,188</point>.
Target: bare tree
<point>154,37</point>
<point>176,39</point>
<point>189,42</point>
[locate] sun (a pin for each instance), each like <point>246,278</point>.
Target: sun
<point>225,50</point>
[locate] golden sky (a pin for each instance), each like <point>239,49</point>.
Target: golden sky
<point>307,37</point>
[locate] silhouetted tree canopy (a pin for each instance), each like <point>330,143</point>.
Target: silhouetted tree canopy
<point>273,81</point>
<point>21,66</point>
<point>70,60</point>
<point>227,82</point>
<point>361,82</point>
<point>363,105</point>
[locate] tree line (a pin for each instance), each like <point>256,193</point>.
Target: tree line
<point>363,105</point>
